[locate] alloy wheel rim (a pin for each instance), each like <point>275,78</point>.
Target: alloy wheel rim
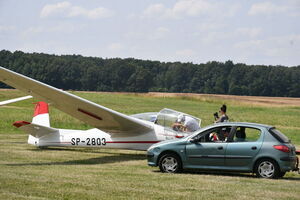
<point>169,164</point>
<point>266,169</point>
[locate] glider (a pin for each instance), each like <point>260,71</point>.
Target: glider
<point>112,129</point>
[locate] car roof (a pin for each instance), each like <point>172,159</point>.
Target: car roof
<point>241,124</point>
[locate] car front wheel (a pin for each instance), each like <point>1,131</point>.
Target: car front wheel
<point>267,168</point>
<point>170,163</point>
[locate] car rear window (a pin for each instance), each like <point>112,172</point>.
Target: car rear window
<point>279,136</point>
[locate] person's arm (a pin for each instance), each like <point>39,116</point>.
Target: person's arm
<point>218,120</point>
<point>177,126</point>
<point>223,118</point>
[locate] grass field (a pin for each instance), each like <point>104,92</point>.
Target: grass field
<point>69,173</point>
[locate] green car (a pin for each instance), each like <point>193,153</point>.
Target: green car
<point>235,146</point>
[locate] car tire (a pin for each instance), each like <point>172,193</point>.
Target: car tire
<point>267,168</point>
<point>170,163</point>
<point>281,174</point>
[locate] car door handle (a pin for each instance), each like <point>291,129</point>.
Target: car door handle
<point>220,147</point>
<point>254,148</point>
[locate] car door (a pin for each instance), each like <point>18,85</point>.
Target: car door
<point>205,152</point>
<point>243,147</point>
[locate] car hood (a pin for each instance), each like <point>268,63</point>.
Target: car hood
<point>167,142</point>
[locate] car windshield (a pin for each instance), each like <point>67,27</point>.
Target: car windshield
<point>279,136</point>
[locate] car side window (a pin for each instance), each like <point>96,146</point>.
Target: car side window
<point>219,134</point>
<point>246,134</point>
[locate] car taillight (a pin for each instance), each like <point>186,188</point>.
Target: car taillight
<point>282,148</point>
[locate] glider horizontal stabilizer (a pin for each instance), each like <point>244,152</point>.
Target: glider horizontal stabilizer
<point>34,129</point>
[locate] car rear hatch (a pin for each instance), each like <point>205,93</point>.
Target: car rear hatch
<point>285,146</point>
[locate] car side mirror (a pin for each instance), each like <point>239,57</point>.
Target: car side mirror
<point>194,140</point>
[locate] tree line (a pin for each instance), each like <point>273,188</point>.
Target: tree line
<point>76,72</point>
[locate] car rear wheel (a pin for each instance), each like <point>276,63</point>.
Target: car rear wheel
<point>170,163</point>
<point>267,168</point>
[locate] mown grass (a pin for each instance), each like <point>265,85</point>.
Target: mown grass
<point>69,173</point>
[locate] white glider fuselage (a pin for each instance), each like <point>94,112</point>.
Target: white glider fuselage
<point>97,138</point>
<point>42,135</point>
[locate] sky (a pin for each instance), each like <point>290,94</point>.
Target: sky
<point>264,32</point>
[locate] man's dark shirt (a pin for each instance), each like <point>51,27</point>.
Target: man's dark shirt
<point>224,118</point>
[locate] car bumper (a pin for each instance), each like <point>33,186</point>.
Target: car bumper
<point>152,156</point>
<point>151,160</point>
<point>289,163</point>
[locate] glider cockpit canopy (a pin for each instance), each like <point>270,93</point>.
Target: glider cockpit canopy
<point>166,117</point>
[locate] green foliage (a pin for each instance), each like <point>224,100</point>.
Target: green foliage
<point>76,72</point>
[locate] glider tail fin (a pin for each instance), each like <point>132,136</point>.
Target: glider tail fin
<point>41,114</point>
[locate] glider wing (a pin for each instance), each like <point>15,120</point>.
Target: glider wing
<point>89,112</point>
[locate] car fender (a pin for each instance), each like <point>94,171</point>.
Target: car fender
<point>178,149</point>
<point>166,152</point>
<point>264,156</point>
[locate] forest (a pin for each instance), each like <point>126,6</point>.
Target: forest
<point>76,72</point>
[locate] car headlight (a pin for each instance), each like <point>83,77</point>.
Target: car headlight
<point>154,150</point>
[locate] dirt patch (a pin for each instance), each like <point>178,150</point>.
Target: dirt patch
<point>2,89</point>
<point>253,100</point>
